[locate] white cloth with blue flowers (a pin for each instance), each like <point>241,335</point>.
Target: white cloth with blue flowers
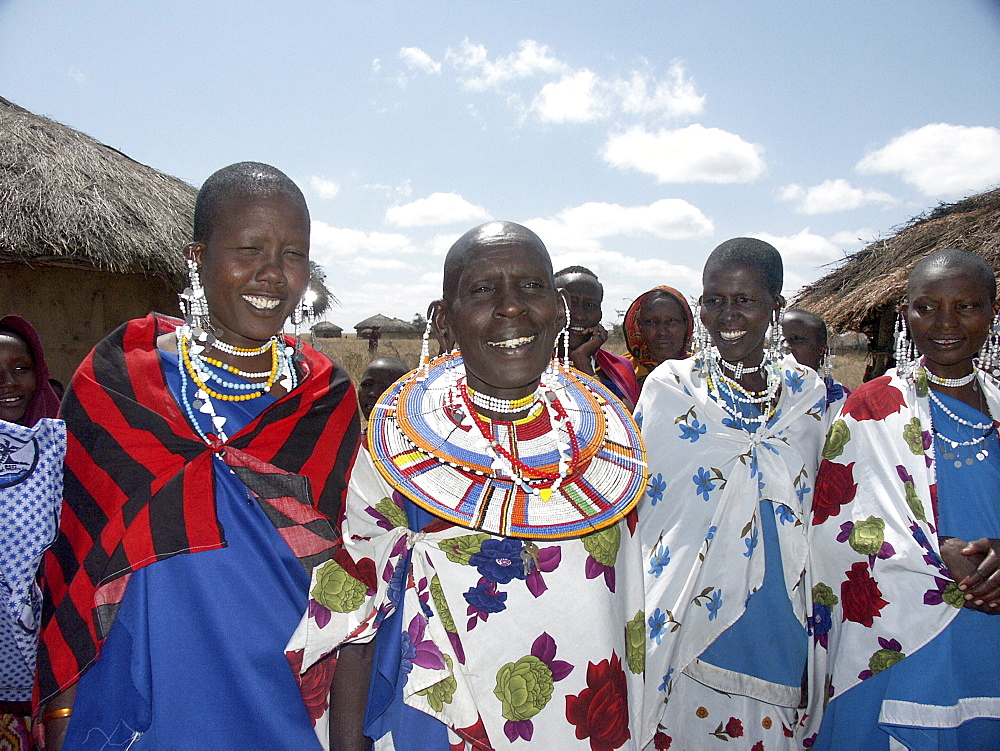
<point>31,483</point>
<point>700,524</point>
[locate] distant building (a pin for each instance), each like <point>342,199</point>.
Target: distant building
<point>327,330</point>
<point>390,328</point>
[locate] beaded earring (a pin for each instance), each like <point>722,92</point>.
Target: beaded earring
<point>300,314</point>
<point>195,307</point>
<point>425,353</point>
<point>905,352</point>
<point>775,339</point>
<point>826,363</point>
<point>701,342</point>
<point>562,341</point>
<point>989,355</point>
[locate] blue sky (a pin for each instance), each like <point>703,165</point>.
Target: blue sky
<point>632,136</point>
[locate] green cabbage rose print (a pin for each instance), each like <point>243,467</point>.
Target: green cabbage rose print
<point>839,435</point>
<point>867,536</point>
<point>526,686</point>
<point>443,691</point>
<point>336,589</point>
<point>635,643</point>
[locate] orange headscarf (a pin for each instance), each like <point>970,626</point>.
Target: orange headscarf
<point>638,352</point>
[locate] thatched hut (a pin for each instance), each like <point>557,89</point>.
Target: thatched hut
<point>397,328</point>
<point>863,292</point>
<point>327,330</point>
<point>89,238</point>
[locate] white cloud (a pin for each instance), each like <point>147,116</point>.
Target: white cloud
<point>940,159</point>
<point>668,218</point>
<point>804,248</point>
<point>328,243</point>
<point>674,97</point>
<point>323,188</point>
<point>416,59</point>
<point>481,73</point>
<point>574,98</point>
<point>691,154</point>
<point>76,74</point>
<point>376,65</point>
<point>831,196</point>
<point>437,208</point>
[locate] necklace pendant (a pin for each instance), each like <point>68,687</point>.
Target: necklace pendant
<point>206,408</point>
<point>958,463</point>
<point>218,421</point>
<point>545,494</point>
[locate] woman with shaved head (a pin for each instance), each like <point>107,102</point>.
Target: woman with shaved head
<point>489,545</point>
<point>905,536</point>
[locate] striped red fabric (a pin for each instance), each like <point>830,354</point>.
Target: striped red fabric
<point>139,484</point>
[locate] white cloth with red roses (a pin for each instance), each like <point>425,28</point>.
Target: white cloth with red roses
<point>711,482</point>
<point>879,588</point>
<point>510,645</point>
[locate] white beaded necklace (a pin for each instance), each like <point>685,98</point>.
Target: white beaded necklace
<point>763,401</point>
<point>739,369</point>
<point>976,440</point>
<point>950,382</point>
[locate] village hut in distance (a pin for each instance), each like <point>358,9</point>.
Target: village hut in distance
<point>395,327</point>
<point>89,239</point>
<point>863,292</point>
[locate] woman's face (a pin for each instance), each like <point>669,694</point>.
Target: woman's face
<point>949,313</point>
<point>662,327</point>
<point>17,378</point>
<point>736,308</point>
<point>504,316</point>
<point>254,266</point>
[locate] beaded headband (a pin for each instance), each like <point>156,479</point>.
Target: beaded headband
<point>424,447</point>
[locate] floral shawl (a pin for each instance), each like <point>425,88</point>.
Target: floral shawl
<point>879,588</point>
<point>699,521</point>
<point>503,643</point>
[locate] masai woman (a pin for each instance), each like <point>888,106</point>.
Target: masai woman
<point>905,542</point>
<point>32,446</point>
<point>504,619</point>
<point>658,326</point>
<point>734,436</point>
<point>204,460</point>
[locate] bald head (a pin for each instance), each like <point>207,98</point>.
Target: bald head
<point>953,261</point>
<point>483,237</point>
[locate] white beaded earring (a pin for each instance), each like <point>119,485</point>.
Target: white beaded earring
<point>562,340</point>
<point>194,304</point>
<point>905,352</point>
<point>989,355</point>
<point>775,338</point>
<point>300,314</point>
<point>425,353</point>
<point>701,342</point>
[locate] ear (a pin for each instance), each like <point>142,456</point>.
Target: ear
<point>779,303</point>
<point>996,307</point>
<point>904,308</point>
<point>193,251</point>
<point>438,312</point>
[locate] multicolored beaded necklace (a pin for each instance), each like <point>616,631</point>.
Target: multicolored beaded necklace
<point>574,464</point>
<point>193,365</point>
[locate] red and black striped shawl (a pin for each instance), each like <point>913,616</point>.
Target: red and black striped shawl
<point>139,484</point>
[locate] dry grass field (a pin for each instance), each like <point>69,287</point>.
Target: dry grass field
<point>352,354</point>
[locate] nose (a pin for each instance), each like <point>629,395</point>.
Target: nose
<point>510,303</point>
<point>272,267</point>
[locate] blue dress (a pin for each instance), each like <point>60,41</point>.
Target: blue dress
<point>944,679</point>
<point>196,656</point>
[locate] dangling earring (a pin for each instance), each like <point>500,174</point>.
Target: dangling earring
<point>425,353</point>
<point>775,337</point>
<point>826,363</point>
<point>300,314</point>
<point>905,352</point>
<point>701,342</point>
<point>562,340</point>
<point>195,306</point>
<point>989,355</point>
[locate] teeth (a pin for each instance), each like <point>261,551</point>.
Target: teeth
<point>10,399</point>
<point>946,341</point>
<point>512,343</point>
<point>731,336</point>
<point>262,303</point>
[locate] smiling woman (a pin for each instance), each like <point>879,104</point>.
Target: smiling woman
<point>490,533</point>
<point>208,458</point>
<point>734,436</point>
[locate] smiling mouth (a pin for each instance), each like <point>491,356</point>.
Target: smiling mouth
<point>262,303</point>
<point>945,342</point>
<point>512,343</point>
<point>731,336</point>
<point>8,400</point>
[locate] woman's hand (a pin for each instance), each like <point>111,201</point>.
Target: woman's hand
<point>582,356</point>
<point>982,585</point>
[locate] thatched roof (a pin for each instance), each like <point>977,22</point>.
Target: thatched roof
<point>386,325</point>
<point>67,199</point>
<point>875,277</point>
<point>325,328</point>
